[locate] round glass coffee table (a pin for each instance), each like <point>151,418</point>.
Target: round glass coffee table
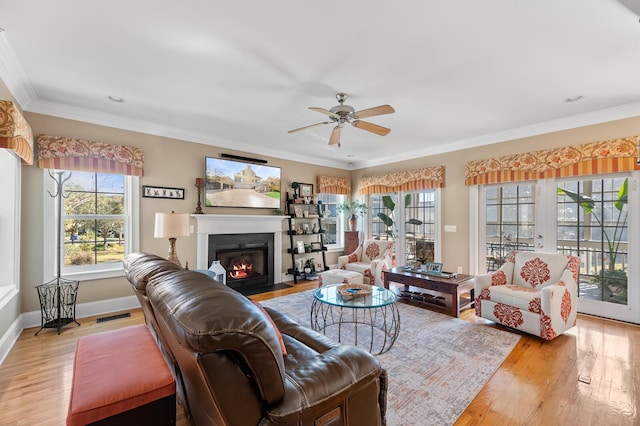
<point>371,321</point>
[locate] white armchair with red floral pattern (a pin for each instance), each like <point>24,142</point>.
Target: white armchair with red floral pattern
<point>533,292</point>
<point>370,259</point>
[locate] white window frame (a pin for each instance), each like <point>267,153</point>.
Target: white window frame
<point>400,242</point>
<point>11,178</point>
<point>89,272</point>
<point>340,228</point>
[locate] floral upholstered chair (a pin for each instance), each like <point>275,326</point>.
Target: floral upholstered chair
<point>370,259</point>
<point>533,292</point>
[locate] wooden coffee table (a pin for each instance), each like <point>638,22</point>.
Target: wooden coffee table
<point>455,287</point>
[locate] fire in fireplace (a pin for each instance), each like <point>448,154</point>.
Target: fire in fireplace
<point>241,269</point>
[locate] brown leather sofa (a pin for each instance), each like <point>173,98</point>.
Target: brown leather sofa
<point>229,363</point>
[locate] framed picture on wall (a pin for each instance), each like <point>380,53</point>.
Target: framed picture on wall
<point>305,190</point>
<point>162,192</point>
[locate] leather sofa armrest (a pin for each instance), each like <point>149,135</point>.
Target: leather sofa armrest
<point>339,372</point>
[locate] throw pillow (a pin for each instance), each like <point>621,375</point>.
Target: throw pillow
<point>282,347</point>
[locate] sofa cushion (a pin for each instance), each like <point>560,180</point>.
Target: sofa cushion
<point>538,270</point>
<point>520,297</point>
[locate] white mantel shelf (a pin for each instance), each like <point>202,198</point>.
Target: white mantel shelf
<point>211,224</point>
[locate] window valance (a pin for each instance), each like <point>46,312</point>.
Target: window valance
<point>409,180</point>
<point>15,132</point>
<point>334,185</point>
<point>58,152</point>
<point>616,155</point>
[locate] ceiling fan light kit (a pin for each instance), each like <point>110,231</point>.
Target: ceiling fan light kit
<point>341,114</point>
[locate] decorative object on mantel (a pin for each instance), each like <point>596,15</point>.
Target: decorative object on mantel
<point>58,296</point>
<point>352,209</point>
<point>162,192</point>
<point>172,225</point>
<point>199,185</point>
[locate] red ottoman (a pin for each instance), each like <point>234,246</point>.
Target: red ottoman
<point>120,377</point>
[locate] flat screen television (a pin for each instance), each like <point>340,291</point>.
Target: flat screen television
<point>231,183</point>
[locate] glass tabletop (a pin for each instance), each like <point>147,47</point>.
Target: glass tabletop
<point>379,297</point>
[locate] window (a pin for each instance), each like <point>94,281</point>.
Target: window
<point>416,236</point>
<point>332,221</point>
<point>510,221</point>
<point>420,226</point>
<point>10,170</point>
<point>98,226</point>
<point>592,224</point>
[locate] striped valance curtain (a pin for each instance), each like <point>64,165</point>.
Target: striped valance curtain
<point>616,155</point>
<point>15,132</point>
<point>409,180</point>
<point>62,153</point>
<point>334,185</point>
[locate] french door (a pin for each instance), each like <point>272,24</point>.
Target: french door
<point>596,218</point>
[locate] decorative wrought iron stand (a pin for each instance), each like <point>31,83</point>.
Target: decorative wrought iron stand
<point>58,296</point>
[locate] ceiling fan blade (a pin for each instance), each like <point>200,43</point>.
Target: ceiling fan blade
<point>370,112</point>
<point>324,111</point>
<point>370,127</point>
<point>308,127</point>
<point>335,136</point>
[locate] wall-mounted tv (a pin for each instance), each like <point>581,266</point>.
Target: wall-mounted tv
<point>230,183</point>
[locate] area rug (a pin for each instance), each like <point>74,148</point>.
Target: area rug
<point>437,365</point>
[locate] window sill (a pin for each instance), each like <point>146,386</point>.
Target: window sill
<point>7,292</point>
<point>94,275</point>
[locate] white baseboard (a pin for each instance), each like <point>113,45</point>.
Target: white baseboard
<point>33,318</point>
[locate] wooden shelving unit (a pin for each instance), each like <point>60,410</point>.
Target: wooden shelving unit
<point>305,225</point>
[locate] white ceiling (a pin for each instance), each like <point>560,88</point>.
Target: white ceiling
<point>239,74</point>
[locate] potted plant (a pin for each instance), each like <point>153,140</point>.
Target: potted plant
<point>610,278</point>
<point>352,209</point>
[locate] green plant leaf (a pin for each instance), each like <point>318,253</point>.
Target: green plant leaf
<point>385,219</point>
<point>414,222</point>
<point>387,201</point>
<point>622,195</point>
<point>407,200</point>
<point>585,202</point>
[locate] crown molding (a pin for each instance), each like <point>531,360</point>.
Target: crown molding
<point>566,123</point>
<point>13,75</point>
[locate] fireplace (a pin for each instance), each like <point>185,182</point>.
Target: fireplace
<point>247,258</point>
<point>210,226</point>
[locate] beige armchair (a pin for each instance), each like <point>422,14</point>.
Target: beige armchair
<point>370,259</point>
<point>533,292</point>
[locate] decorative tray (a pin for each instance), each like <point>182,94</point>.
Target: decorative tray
<point>349,291</point>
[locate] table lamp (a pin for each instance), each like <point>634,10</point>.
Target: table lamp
<point>172,225</point>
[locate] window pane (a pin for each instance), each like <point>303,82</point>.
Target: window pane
<point>93,220</point>
<point>420,214</point>
<point>510,221</point>
<point>592,224</point>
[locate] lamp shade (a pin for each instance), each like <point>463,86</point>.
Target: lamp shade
<point>171,225</point>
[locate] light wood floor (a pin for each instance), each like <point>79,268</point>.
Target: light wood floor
<point>538,384</point>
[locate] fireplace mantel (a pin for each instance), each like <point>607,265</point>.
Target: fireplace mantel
<point>211,224</point>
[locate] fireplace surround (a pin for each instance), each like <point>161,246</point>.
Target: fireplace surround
<point>211,225</point>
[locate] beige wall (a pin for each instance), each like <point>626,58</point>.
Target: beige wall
<point>175,163</point>
<point>168,162</point>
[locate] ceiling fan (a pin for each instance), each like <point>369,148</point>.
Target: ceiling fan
<point>341,114</point>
